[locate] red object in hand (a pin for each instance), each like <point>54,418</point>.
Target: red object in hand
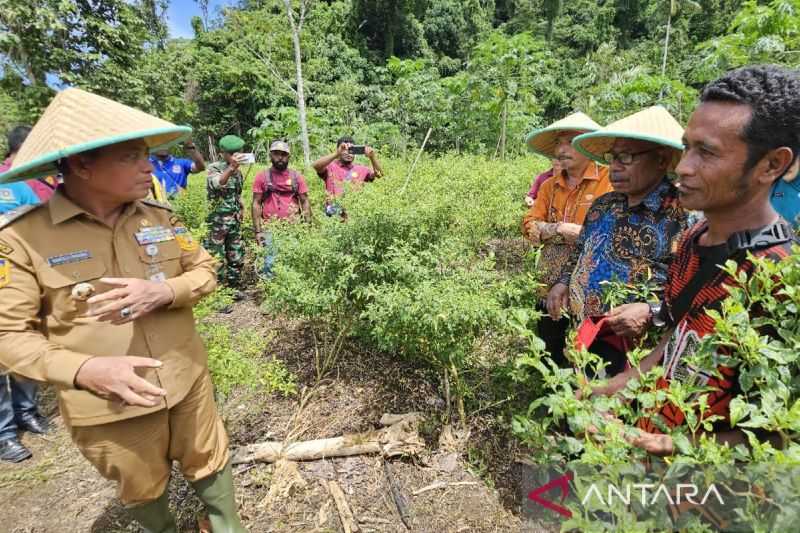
<point>594,328</point>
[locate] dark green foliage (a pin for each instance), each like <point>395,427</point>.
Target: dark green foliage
<point>481,73</point>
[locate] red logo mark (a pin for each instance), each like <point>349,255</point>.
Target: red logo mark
<point>560,482</point>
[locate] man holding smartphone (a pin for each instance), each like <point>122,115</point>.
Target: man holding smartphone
<point>337,170</point>
<point>173,172</point>
<point>224,183</point>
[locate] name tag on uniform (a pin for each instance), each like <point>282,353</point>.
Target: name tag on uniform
<point>154,234</point>
<point>73,257</point>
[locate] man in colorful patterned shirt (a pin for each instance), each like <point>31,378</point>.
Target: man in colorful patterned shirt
<point>740,139</point>
<point>630,234</point>
<point>340,173</point>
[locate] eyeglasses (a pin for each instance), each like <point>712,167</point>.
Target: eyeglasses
<point>626,158</point>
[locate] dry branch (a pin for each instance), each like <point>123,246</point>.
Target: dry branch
<point>399,500</point>
<point>345,514</point>
<point>399,438</point>
<point>443,484</point>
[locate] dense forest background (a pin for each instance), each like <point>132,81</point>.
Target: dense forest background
<point>481,73</point>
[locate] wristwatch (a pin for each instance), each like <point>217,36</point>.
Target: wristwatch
<point>655,315</point>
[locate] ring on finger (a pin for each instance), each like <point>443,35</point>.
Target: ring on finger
<point>125,312</point>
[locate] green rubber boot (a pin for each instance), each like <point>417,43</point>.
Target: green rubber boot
<point>216,491</point>
<point>154,516</point>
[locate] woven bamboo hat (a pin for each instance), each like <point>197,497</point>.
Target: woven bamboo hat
<point>77,121</point>
<point>543,141</point>
<point>653,124</point>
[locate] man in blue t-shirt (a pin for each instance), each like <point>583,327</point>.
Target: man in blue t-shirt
<point>18,409</point>
<point>173,172</point>
<point>785,196</point>
<point>13,195</point>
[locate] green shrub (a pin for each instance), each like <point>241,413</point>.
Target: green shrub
<point>237,358</point>
<point>404,274</point>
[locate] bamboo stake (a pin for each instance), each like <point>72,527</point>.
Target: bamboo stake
<point>413,165</point>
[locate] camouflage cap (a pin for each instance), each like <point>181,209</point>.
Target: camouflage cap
<point>231,144</point>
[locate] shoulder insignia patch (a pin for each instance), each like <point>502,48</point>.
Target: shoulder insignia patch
<point>10,216</point>
<point>155,203</point>
<point>5,248</point>
<point>5,272</point>
<point>185,239</point>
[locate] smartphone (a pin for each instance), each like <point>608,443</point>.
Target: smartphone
<point>247,158</point>
<point>356,149</point>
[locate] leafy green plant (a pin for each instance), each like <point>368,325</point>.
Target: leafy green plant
<point>757,331</point>
<point>236,359</point>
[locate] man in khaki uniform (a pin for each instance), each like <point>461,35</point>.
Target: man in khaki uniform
<point>96,296</point>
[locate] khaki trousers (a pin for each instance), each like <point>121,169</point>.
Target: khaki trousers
<point>137,453</point>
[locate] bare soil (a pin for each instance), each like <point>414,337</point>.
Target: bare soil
<point>58,491</point>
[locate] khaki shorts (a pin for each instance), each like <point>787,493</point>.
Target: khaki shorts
<point>137,453</point>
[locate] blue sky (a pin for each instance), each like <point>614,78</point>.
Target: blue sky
<point>180,13</point>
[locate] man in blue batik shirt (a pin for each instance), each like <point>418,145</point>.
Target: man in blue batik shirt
<point>173,172</point>
<point>629,234</point>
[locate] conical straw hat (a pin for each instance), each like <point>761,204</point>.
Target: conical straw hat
<point>543,141</point>
<point>653,124</point>
<point>77,121</point>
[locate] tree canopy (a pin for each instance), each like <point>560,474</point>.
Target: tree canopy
<point>481,73</point>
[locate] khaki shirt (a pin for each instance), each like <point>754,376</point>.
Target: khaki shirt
<point>44,334</point>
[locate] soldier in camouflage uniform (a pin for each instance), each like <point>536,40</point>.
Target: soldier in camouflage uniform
<point>224,185</point>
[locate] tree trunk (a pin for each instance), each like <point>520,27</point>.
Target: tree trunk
<point>301,99</point>
<point>666,50</point>
<point>503,133</point>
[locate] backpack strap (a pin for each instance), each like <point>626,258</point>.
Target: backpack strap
<point>47,183</point>
<point>269,188</point>
<point>736,248</point>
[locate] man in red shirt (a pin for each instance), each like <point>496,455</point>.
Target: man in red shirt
<point>279,193</point>
<point>739,141</point>
<point>340,173</point>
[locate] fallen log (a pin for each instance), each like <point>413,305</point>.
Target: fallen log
<point>398,438</point>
